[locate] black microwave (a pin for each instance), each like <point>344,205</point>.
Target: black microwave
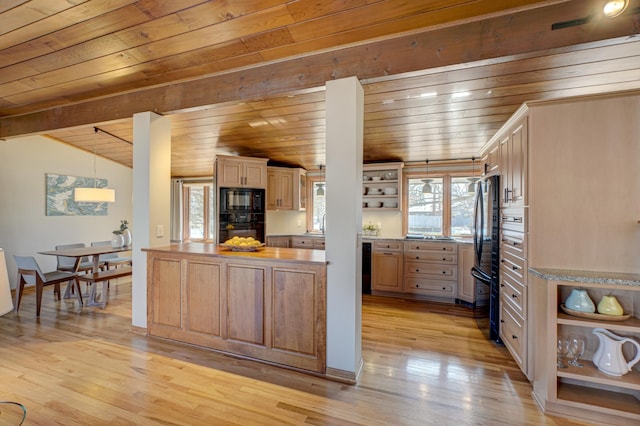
<point>241,200</point>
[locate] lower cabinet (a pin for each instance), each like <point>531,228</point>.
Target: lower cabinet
<point>431,270</point>
<point>278,241</point>
<point>386,267</point>
<point>263,309</point>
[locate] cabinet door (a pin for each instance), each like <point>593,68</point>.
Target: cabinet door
<point>230,173</point>
<point>255,175</point>
<point>286,190</point>
<point>386,274</point>
<point>466,282</point>
<point>505,173</point>
<point>165,294</point>
<point>203,298</point>
<point>518,162</point>
<point>246,304</point>
<point>273,186</point>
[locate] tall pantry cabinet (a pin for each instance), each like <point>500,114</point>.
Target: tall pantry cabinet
<point>579,212</point>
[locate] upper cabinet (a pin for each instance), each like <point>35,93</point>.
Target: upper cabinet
<point>513,165</point>
<point>382,186</point>
<point>286,188</point>
<point>247,172</point>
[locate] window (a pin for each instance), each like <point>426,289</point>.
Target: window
<point>199,212</point>
<point>319,215</point>
<point>439,206</point>
<point>425,206</point>
<point>461,206</point>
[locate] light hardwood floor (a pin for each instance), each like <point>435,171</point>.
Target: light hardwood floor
<point>85,367</point>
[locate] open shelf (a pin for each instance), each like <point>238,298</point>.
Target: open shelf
<point>619,404</point>
<point>631,325</point>
<point>589,373</point>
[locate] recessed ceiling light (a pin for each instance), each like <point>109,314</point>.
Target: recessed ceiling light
<point>461,94</point>
<point>615,8</point>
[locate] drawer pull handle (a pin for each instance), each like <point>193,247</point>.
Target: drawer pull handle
<point>444,288</point>
<point>513,336</point>
<point>514,267</point>
<point>517,219</point>
<point>444,248</point>
<point>514,295</point>
<point>444,272</point>
<point>501,285</point>
<point>444,258</point>
<point>417,257</point>
<point>417,285</point>
<point>515,243</point>
<point>502,321</point>
<point>417,270</point>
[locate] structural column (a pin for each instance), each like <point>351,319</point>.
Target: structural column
<point>151,200</point>
<point>344,133</point>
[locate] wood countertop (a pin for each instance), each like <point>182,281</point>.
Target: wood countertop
<point>264,253</point>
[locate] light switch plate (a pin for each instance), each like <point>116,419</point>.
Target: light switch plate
<point>159,231</point>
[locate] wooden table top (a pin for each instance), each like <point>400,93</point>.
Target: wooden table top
<point>85,251</point>
<point>263,253</point>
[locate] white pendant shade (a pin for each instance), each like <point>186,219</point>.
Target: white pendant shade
<point>94,195</point>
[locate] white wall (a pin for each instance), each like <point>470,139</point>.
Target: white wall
<point>24,228</point>
<point>286,222</point>
<point>390,223</point>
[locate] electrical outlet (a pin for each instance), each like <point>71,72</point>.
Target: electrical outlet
<point>159,231</point>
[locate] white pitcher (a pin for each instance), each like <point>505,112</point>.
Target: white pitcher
<point>609,357</point>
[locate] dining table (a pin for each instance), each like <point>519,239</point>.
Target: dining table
<point>93,252</point>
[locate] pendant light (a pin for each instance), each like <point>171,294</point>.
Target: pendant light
<point>320,188</point>
<point>472,186</point>
<point>95,194</point>
<point>426,188</point>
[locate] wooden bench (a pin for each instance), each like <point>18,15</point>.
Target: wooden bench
<point>104,277</point>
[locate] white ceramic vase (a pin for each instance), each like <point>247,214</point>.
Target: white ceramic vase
<point>117,241</point>
<point>126,236</point>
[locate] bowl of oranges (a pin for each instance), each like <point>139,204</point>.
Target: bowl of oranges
<point>242,244</point>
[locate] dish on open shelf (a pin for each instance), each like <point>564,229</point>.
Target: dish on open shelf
<point>242,248</point>
<point>594,316</point>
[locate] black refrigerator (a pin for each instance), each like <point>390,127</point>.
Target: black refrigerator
<point>486,244</point>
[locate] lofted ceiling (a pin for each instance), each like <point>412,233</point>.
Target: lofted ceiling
<point>247,77</point>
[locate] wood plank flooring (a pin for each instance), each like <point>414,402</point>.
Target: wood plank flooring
<point>85,367</point>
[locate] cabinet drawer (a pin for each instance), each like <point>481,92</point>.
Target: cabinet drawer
<point>514,219</point>
<point>421,246</point>
<point>318,243</point>
<point>431,257</point>
<point>514,242</point>
<point>513,266</point>
<point>442,272</point>
<point>301,242</point>
<point>513,332</point>
<point>514,293</point>
<point>430,288</point>
<point>387,245</point>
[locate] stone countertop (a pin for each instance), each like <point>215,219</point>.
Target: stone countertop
<point>370,238</point>
<point>594,277</point>
<point>263,253</point>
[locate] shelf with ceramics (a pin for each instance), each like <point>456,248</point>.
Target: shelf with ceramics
<point>382,186</point>
<point>606,317</point>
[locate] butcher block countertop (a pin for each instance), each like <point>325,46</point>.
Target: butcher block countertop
<point>263,253</point>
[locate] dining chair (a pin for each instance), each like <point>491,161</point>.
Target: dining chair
<point>67,264</point>
<point>111,259</point>
<point>29,272</point>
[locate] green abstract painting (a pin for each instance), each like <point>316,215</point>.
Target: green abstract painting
<point>60,196</point>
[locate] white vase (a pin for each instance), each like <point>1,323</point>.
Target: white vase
<point>117,241</point>
<point>126,236</point>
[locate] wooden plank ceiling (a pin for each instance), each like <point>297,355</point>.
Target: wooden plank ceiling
<point>246,77</point>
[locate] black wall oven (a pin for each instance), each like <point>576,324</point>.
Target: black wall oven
<point>242,213</point>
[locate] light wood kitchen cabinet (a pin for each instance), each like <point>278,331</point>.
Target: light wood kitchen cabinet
<point>236,172</point>
<point>263,308</point>
<point>513,164</point>
<point>470,290</point>
<point>382,186</point>
<point>586,393</point>
<point>278,241</point>
<point>431,270</point>
<point>307,242</point>
<point>491,161</point>
<point>386,267</point>
<point>286,189</point>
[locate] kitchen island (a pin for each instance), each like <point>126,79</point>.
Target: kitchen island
<point>268,305</point>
